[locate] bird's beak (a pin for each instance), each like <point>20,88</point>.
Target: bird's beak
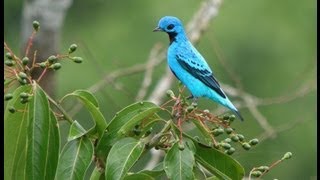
<point>157,29</point>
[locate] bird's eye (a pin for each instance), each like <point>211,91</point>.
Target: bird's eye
<point>170,26</point>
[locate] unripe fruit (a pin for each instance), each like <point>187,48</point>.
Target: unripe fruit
<point>43,65</point>
<point>9,55</point>
<point>25,60</point>
<point>234,138</point>
<point>22,75</point>
<point>36,25</point>
<point>253,142</point>
<point>226,145</point>
<point>288,155</point>
<point>230,151</point>
<point>24,95</point>
<point>8,96</point>
<point>52,59</point>
<point>9,63</point>
<point>241,137</point>
<point>229,130</point>
<point>77,59</point>
<point>72,48</point>
<point>181,147</point>
<point>256,173</point>
<point>56,66</point>
<point>170,93</point>
<point>246,146</point>
<point>12,109</point>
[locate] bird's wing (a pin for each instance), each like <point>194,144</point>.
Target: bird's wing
<point>200,70</point>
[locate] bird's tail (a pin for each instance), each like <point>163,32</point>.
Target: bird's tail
<point>238,114</point>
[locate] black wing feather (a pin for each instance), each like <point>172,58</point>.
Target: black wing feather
<point>203,75</point>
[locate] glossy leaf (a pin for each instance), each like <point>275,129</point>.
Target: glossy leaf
<point>122,157</point>
<point>138,176</point>
<point>43,137</point>
<point>76,131</point>
<point>92,106</point>
<point>152,173</point>
<point>15,136</point>
<point>178,164</point>
<point>96,175</point>
<point>75,159</point>
<point>218,163</point>
<point>204,131</point>
<point>127,117</point>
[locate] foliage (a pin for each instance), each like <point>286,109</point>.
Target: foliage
<point>32,135</point>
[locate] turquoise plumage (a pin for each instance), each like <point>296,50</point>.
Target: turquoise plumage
<point>188,65</point>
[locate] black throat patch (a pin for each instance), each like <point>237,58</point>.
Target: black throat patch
<point>172,36</point>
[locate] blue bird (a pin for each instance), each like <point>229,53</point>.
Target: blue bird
<point>188,65</point>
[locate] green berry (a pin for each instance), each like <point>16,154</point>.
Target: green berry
<point>25,60</point>
<point>22,81</point>
<point>253,142</point>
<point>288,155</point>
<point>12,109</point>
<point>263,168</point>
<point>52,59</point>
<point>8,96</point>
<point>241,137</point>
<point>22,75</point>
<point>190,108</point>
<point>230,151</point>
<point>24,95</point>
<point>9,55</point>
<point>225,117</point>
<point>229,130</point>
<point>9,63</point>
<point>256,173</point>
<point>170,94</point>
<point>246,146</point>
<point>181,147</point>
<point>226,145</point>
<point>227,140</point>
<point>43,65</point>
<point>234,138</point>
<point>232,117</point>
<point>36,25</point>
<point>217,131</point>
<point>24,100</point>
<point>72,48</point>
<point>77,59</point>
<point>56,66</point>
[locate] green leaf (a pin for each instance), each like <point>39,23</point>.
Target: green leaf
<point>198,173</point>
<point>76,131</point>
<point>138,176</point>
<point>124,121</point>
<point>129,116</point>
<point>43,137</point>
<point>178,164</point>
<point>218,163</point>
<point>15,136</point>
<point>96,175</point>
<point>204,131</point>
<point>122,157</point>
<point>92,105</point>
<point>152,173</point>
<point>75,159</point>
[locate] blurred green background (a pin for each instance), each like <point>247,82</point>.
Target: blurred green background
<point>270,46</point>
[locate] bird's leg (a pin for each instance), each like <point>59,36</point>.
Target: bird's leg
<point>190,97</point>
<point>194,101</point>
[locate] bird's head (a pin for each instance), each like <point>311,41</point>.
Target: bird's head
<point>170,25</point>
